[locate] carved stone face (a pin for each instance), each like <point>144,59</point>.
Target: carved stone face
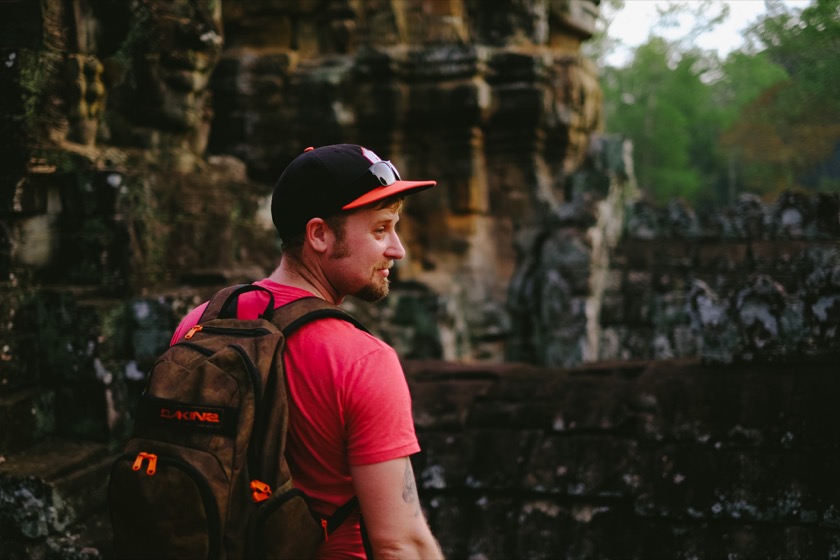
<point>180,46</point>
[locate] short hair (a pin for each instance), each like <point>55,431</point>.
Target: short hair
<point>336,222</point>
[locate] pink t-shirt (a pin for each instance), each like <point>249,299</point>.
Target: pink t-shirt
<point>349,405</point>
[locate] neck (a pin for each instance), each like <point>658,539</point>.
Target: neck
<point>292,272</point>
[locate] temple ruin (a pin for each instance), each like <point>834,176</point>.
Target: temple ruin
<point>593,376</point>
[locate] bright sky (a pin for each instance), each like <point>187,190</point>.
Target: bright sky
<point>632,25</point>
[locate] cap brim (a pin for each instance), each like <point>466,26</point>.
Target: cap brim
<point>379,193</point>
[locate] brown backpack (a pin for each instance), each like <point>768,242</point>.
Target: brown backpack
<point>204,473</point>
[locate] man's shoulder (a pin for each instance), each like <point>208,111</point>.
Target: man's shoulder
<point>341,339</point>
<point>345,329</point>
<point>282,293</point>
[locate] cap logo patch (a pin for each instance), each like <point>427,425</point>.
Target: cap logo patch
<point>373,158</point>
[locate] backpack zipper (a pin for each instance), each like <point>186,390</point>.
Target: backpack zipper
<point>260,412</point>
<point>229,331</point>
<point>198,348</point>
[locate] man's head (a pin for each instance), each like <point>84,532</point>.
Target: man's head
<point>321,182</point>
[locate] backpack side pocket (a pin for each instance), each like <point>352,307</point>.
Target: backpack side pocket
<point>284,528</point>
<point>184,521</point>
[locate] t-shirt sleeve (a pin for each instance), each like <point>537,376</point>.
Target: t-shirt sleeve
<point>378,420</point>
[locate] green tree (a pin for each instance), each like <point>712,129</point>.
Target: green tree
<point>783,138</point>
<point>744,77</point>
<point>807,46</point>
<point>765,119</point>
<point>662,104</point>
<point>746,81</point>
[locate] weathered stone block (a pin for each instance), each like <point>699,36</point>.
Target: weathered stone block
<point>659,253</point>
<point>425,100</point>
<point>582,466</point>
<point>452,512</point>
<point>723,257</point>
<point>150,324</point>
<point>520,103</point>
<point>552,529</point>
<point>669,307</point>
<point>520,415</point>
<point>546,530</point>
<point>523,383</point>
<point>445,460</point>
<point>612,309</point>
<point>609,345</point>
<point>638,293</point>
<point>18,358</point>
<point>26,416</point>
<point>593,403</point>
<point>710,541</point>
<point>814,417</point>
<point>46,488</point>
<point>715,482</point>
<point>499,457</point>
<point>446,404</point>
<point>703,405</point>
<point>493,528</point>
<point>632,342</point>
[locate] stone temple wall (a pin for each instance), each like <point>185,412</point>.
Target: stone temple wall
<point>755,282</point>
<point>495,103</point>
<point>143,140</point>
<point>630,460</point>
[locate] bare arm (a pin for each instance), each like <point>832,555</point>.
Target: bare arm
<point>391,507</point>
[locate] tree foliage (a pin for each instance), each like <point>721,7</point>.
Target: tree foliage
<point>764,119</point>
<point>661,104</point>
<point>800,117</point>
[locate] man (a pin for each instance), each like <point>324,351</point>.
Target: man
<point>351,431</point>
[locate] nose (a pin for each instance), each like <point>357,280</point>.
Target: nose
<point>395,250</point>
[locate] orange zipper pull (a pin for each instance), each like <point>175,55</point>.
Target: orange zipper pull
<point>138,462</point>
<point>326,533</point>
<point>152,467</point>
<point>142,456</point>
<point>192,331</point>
<point>260,491</point>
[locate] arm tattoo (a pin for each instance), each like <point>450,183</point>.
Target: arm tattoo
<point>409,494</point>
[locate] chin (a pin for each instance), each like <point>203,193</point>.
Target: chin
<point>373,293</point>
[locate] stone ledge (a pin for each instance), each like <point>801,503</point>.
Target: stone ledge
<point>50,486</point>
<point>27,416</point>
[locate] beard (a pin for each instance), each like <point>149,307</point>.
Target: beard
<point>374,292</point>
<point>377,288</point>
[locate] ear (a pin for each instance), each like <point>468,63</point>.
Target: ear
<point>318,235</point>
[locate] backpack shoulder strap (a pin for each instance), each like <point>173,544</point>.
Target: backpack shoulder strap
<point>224,302</point>
<point>290,317</point>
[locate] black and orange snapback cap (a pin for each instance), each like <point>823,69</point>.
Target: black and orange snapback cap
<point>323,181</point>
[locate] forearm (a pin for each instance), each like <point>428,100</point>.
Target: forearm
<point>421,546</point>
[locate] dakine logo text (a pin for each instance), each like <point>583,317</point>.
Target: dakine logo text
<point>190,416</point>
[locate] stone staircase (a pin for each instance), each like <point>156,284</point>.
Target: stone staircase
<point>52,489</point>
